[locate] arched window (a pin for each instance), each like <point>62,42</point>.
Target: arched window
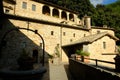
<point>64,15</point>
<point>55,13</point>
<point>71,17</point>
<point>46,10</point>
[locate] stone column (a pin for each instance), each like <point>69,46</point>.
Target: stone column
<point>68,16</point>
<point>51,11</point>
<point>60,13</point>
<point>75,18</point>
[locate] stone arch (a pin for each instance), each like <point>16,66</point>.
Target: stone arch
<point>3,42</point>
<point>71,17</point>
<point>64,15</point>
<point>46,10</point>
<point>55,13</point>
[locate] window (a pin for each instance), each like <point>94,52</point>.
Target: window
<point>7,11</point>
<point>64,33</point>
<point>104,45</point>
<point>71,40</point>
<point>74,35</point>
<point>84,35</point>
<point>24,5</point>
<point>52,32</point>
<point>33,7</point>
<point>98,32</point>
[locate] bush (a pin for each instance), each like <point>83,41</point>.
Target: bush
<point>82,53</point>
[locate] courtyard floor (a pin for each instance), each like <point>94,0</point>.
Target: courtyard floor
<point>57,72</point>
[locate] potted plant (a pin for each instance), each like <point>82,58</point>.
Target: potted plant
<point>82,54</point>
<point>25,61</point>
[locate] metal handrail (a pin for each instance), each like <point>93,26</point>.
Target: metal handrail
<point>97,60</point>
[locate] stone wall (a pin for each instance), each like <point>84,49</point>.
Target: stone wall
<point>17,9</point>
<point>82,71</point>
<point>51,29</point>
<point>52,35</point>
<point>97,50</point>
<point>15,42</point>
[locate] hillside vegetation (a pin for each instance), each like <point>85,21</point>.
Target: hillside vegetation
<point>108,15</point>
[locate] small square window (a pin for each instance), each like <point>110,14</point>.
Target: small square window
<point>24,5</point>
<point>64,33</point>
<point>33,7</point>
<point>74,35</point>
<point>98,32</point>
<point>52,32</point>
<point>84,35</point>
<point>7,11</point>
<point>71,40</point>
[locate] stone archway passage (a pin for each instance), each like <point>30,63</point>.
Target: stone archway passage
<point>17,29</point>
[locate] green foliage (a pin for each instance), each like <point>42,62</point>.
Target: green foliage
<point>82,53</point>
<point>108,15</point>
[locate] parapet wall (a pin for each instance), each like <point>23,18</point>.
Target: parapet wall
<point>82,71</point>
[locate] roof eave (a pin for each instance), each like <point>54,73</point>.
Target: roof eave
<point>73,44</point>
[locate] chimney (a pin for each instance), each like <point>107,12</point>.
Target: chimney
<point>87,22</point>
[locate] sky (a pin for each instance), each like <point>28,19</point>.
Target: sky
<point>104,2</point>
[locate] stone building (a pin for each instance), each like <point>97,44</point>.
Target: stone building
<point>57,25</point>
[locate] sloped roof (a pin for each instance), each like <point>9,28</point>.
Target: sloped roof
<point>10,1</point>
<point>92,38</point>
